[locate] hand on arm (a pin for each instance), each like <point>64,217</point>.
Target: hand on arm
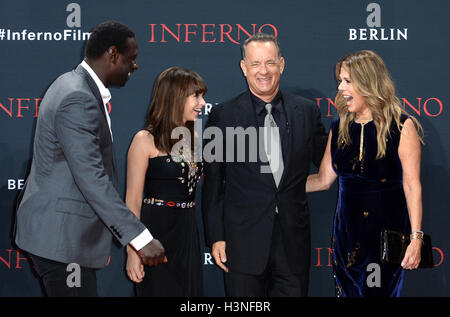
<point>409,152</point>
<point>326,175</point>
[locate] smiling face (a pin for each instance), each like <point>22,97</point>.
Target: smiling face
<point>192,107</point>
<point>263,68</point>
<point>124,64</point>
<point>355,102</point>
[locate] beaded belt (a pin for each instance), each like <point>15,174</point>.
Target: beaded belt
<point>170,203</point>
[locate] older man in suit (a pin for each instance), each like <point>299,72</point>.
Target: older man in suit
<point>257,222</point>
<point>70,208</point>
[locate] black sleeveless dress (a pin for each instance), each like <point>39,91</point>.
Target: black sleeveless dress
<point>371,198</point>
<point>168,211</point>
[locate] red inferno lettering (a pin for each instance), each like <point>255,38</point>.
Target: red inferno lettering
<point>429,106</point>
<point>153,33</point>
<point>319,263</point>
<point>425,106</point>
<point>7,263</point>
<point>330,103</point>
<point>275,31</point>
<point>240,28</point>
<point>416,110</point>
<point>318,102</point>
<point>318,257</point>
<point>441,254</point>
<point>165,28</point>
<point>10,107</point>
<point>206,33</point>
<point>19,104</point>
<point>37,102</point>
<point>222,33</point>
<point>441,106</point>
<point>330,254</point>
<point>18,258</point>
<point>187,32</point>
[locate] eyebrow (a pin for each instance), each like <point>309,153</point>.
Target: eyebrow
<point>267,61</point>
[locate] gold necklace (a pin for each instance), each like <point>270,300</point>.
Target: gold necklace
<point>361,143</point>
<point>360,158</point>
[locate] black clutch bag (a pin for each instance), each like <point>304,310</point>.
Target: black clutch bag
<point>394,244</point>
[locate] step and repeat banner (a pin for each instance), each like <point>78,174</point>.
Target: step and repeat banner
<point>39,40</point>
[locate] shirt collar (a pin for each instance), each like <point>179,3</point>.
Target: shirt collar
<point>104,92</point>
<point>260,105</point>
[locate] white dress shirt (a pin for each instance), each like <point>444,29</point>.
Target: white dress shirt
<point>145,237</point>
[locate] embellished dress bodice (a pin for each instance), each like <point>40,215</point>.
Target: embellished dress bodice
<point>172,178</point>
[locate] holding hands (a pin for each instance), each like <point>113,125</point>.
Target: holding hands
<point>151,254</point>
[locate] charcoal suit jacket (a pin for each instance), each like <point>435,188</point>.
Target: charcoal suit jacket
<point>71,208</point>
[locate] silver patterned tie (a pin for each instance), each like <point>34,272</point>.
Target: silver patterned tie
<point>272,145</point>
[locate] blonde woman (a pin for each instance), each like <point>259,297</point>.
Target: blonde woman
<point>374,148</point>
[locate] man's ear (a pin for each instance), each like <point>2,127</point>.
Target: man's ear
<point>282,65</point>
<point>113,54</point>
<point>243,67</point>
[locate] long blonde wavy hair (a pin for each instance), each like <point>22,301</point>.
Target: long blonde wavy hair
<point>370,78</point>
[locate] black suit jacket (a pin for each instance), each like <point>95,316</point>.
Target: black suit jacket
<point>239,201</point>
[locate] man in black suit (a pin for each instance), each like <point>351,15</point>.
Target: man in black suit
<point>70,208</point>
<point>257,222</point>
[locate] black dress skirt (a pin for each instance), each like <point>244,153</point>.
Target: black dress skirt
<point>168,211</point>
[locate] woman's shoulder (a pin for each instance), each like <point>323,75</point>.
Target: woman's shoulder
<point>404,117</point>
<point>335,123</point>
<point>144,140</point>
<point>402,120</point>
<point>144,133</point>
<point>144,136</point>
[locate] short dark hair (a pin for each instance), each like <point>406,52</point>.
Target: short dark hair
<point>261,37</point>
<point>105,35</point>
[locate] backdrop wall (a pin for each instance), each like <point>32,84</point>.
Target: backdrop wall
<point>39,40</point>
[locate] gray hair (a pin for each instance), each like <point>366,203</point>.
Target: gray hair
<point>260,37</point>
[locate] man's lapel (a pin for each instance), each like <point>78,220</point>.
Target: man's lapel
<point>93,86</point>
<point>294,116</point>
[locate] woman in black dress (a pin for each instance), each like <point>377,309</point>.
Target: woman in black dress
<point>162,174</point>
<point>374,149</point>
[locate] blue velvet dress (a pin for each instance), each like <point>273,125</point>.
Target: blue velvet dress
<point>370,198</point>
